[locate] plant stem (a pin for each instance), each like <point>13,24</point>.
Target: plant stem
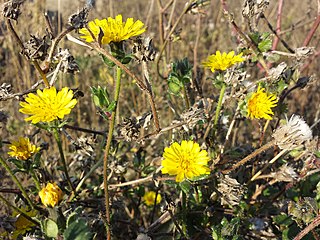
<point>62,158</point>
<point>16,181</point>
<point>184,213</point>
<point>106,152</point>
<point>35,179</point>
<point>185,97</point>
<point>269,163</point>
<point>216,119</point>
<point>249,157</point>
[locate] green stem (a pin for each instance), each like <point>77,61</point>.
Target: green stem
<point>106,152</point>
<point>25,215</point>
<point>185,96</point>
<point>62,158</point>
<point>92,169</point>
<point>184,213</point>
<point>35,179</point>
<point>218,109</point>
<point>16,181</point>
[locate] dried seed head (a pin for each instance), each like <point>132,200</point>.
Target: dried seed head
<point>79,20</point>
<point>285,174</point>
<point>11,9</point>
<point>196,113</point>
<point>129,129</point>
<point>292,134</point>
<point>5,91</point>
<point>68,64</point>
<point>143,49</point>
<point>85,145</point>
<point>304,52</point>
<point>36,48</point>
<point>231,191</point>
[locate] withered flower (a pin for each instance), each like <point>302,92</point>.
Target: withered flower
<point>11,9</point>
<point>5,91</point>
<point>293,134</point>
<point>68,63</point>
<point>231,190</point>
<point>36,48</point>
<point>143,49</point>
<point>79,20</point>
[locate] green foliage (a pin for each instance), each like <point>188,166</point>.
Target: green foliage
<point>50,228</point>
<point>77,230</point>
<point>180,75</point>
<point>100,97</point>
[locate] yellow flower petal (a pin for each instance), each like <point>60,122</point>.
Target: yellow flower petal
<point>260,104</point>
<point>185,160</point>
<point>48,105</point>
<point>51,195</point>
<point>222,61</point>
<point>149,198</point>
<point>113,29</point>
<point>23,149</point>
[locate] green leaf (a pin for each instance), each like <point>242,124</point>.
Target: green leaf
<point>149,169</point>
<point>18,163</point>
<point>111,107</point>
<point>273,58</point>
<point>107,61</point>
<point>50,228</point>
<point>77,230</point>
<point>126,59</point>
<point>265,45</point>
<point>174,84</point>
<point>283,219</point>
<point>185,186</point>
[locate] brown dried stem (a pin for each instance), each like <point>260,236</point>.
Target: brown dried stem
<point>140,83</point>
<point>20,43</point>
<point>249,157</point>
<point>185,10</point>
<point>310,227</point>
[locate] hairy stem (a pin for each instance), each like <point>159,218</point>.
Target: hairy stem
<point>62,158</point>
<point>106,153</point>
<point>249,157</point>
<point>219,105</point>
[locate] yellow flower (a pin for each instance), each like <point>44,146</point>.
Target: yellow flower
<point>48,105</point>
<point>260,104</point>
<point>95,27</point>
<point>50,195</point>
<point>186,160</point>
<point>23,149</point>
<point>113,29</point>
<point>222,62</point>
<point>149,198</point>
<point>120,31</point>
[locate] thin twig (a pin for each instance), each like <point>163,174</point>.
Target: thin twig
<point>186,8</point>
<point>312,31</point>
<point>310,227</point>
<point>249,157</point>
